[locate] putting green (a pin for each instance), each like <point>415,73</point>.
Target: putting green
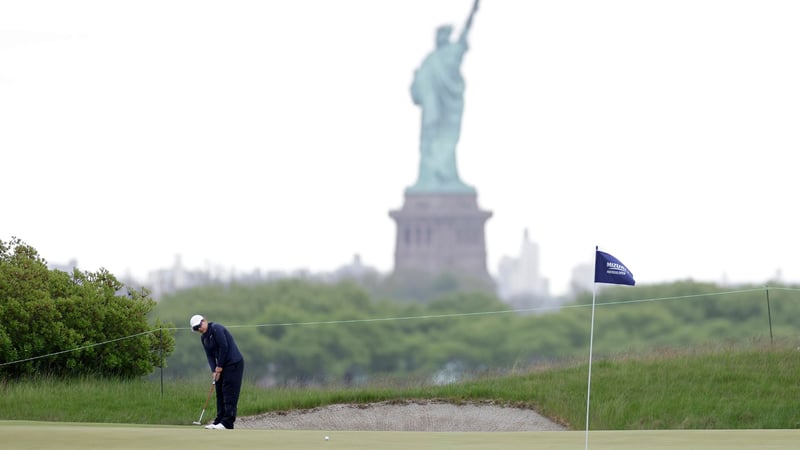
<point>73,436</point>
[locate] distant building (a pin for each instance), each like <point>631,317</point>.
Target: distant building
<point>170,280</point>
<point>582,279</point>
<point>520,278</point>
<point>356,270</point>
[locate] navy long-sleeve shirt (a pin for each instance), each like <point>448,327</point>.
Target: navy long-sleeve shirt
<point>221,349</point>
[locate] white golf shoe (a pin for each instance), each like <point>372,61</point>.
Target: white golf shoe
<point>218,426</point>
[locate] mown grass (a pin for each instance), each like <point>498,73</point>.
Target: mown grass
<point>753,388</point>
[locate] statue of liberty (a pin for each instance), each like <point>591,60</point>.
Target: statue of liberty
<point>438,89</point>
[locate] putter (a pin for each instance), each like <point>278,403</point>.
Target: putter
<point>200,420</point>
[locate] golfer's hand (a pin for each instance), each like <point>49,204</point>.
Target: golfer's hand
<point>215,376</point>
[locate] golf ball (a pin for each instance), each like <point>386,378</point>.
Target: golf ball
<point>326,438</point>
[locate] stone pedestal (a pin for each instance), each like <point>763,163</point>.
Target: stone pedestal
<point>441,233</point>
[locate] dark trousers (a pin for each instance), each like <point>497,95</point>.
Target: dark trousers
<point>228,387</point>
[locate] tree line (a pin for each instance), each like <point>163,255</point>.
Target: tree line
<point>296,331</point>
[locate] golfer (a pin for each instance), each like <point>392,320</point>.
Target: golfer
<point>227,368</point>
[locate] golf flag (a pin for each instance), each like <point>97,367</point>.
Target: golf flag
<point>608,269</point>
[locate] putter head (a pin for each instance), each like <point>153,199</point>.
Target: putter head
<point>195,423</point>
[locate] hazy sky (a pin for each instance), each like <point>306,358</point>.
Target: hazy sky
<point>278,134</point>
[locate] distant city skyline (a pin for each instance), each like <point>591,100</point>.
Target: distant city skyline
<point>518,275</point>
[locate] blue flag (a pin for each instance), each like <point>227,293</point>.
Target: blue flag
<point>608,269</point>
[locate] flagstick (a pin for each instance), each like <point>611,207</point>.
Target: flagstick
<point>614,272</point>
<point>591,341</point>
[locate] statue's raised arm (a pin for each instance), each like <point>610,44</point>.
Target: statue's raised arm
<point>468,25</point>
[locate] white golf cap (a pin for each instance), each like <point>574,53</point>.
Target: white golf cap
<point>195,320</point>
